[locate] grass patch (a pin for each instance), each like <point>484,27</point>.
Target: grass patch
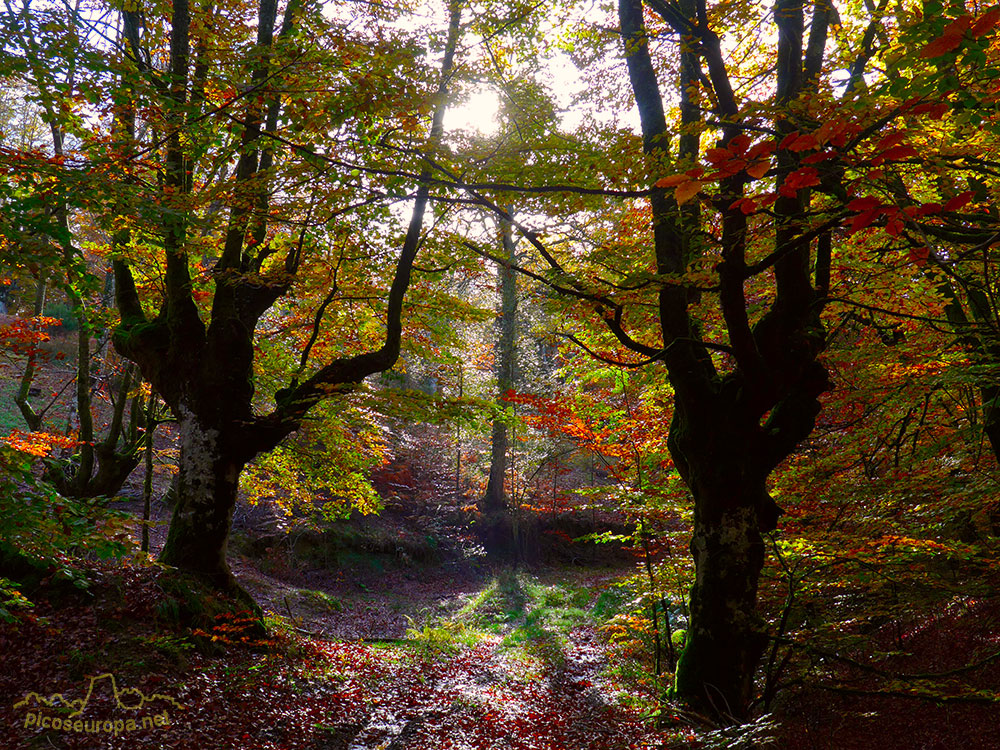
<point>533,619</point>
<point>320,599</point>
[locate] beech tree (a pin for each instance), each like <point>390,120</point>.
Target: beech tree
<point>194,341</point>
<point>746,373</point>
<point>495,503</point>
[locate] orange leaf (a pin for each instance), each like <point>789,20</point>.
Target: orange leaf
<point>740,144</point>
<point>687,191</point>
<point>671,181</point>
<point>759,169</point>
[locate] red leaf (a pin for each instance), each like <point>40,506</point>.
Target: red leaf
<point>986,22</point>
<point>763,148</point>
<point>894,226</point>
<point>959,26</point>
<point>717,156</point>
<point>864,204</point>
<point>740,144</point>
<point>941,45</point>
<point>805,142</point>
<point>801,178</point>
<point>899,152</point>
<point>890,140</point>
<point>817,157</point>
<point>746,205</point>
<point>936,111</point>
<point>864,219</point>
<point>788,139</point>
<point>732,167</point>
<point>919,255</point>
<point>958,201</point>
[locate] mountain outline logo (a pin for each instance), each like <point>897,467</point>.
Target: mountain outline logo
<point>136,698</point>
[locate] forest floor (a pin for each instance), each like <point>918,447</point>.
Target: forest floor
<point>381,652</point>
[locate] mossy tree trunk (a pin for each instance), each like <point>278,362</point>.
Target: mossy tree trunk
<point>202,363</point>
<point>731,427</point>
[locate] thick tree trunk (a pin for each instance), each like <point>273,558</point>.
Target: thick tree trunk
<point>726,636</point>
<point>495,498</point>
<point>208,482</point>
<point>202,369</point>
<point>991,417</point>
<point>718,455</point>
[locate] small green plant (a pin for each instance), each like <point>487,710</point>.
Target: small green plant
<point>81,663</point>
<point>11,599</point>
<point>44,536</point>
<point>447,636</point>
<point>170,645</point>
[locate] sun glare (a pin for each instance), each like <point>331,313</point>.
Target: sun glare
<point>480,113</point>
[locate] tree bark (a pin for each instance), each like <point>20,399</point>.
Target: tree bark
<point>203,368</point>
<point>495,497</point>
<point>498,527</point>
<point>209,470</point>
<point>729,429</point>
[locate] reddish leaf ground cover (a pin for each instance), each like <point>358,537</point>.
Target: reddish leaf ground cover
<point>298,693</point>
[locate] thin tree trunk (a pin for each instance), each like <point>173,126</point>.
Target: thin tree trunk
<point>498,525</point>
<point>495,498</point>
<point>147,480</point>
<point>33,419</point>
